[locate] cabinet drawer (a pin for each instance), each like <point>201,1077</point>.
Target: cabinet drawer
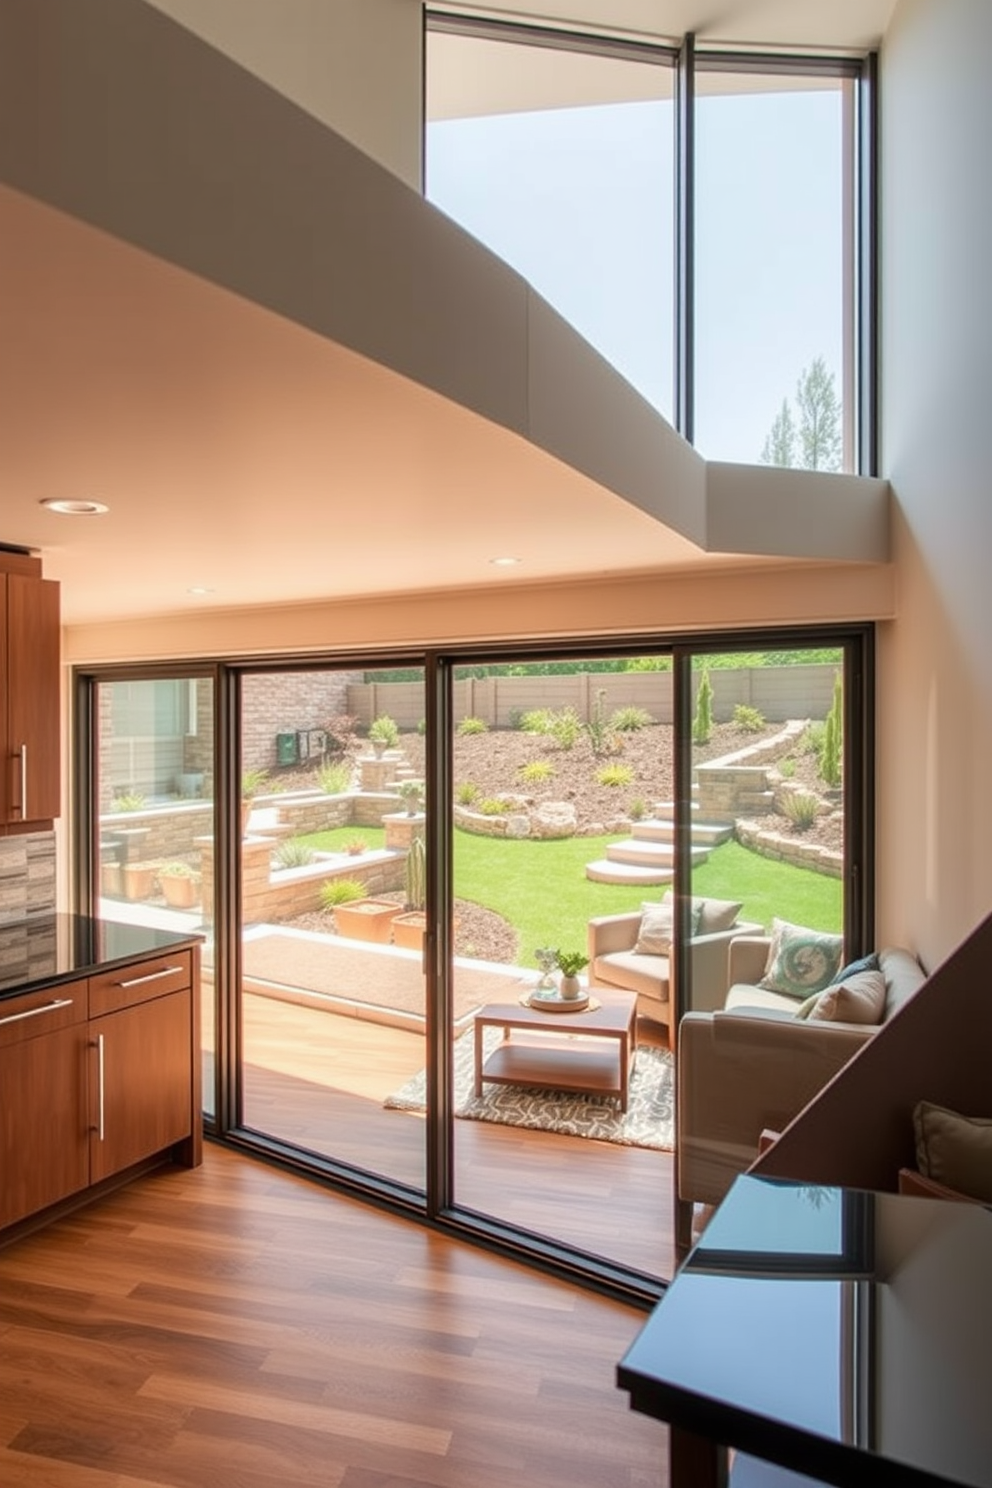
<point>32,1014</point>
<point>126,986</point>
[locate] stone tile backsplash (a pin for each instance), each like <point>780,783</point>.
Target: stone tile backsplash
<point>27,875</point>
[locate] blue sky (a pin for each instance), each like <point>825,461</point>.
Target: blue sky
<point>579,200</point>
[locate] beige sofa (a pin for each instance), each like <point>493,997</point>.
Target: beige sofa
<point>613,961</point>
<point>753,1065</point>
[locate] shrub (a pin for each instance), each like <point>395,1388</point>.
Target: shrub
<point>802,808</point>
<point>130,800</point>
<point>384,730</point>
<point>536,771</point>
<point>252,782</point>
<point>472,726</point>
<point>466,793</point>
<point>751,720</point>
<point>492,806</point>
<point>629,719</point>
<point>615,775</point>
<point>787,767</point>
<point>355,845</point>
<point>341,891</point>
<point>637,810</point>
<point>294,853</point>
<point>411,793</point>
<point>536,721</point>
<point>702,723</point>
<point>811,740</point>
<point>565,727</point>
<point>334,777</point>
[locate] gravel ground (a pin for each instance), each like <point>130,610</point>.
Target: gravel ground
<point>492,763</point>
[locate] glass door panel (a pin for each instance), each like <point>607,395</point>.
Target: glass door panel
<point>155,814</point>
<point>332,993</point>
<point>562,792</point>
<point>767,809</point>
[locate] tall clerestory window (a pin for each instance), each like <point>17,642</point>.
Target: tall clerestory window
<point>558,155</point>
<point>584,161</point>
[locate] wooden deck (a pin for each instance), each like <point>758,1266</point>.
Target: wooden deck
<point>319,1080</point>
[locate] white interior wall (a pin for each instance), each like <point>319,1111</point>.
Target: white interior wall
<point>354,64</point>
<point>935,659</point>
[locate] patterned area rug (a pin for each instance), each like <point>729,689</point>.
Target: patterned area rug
<point>647,1122</point>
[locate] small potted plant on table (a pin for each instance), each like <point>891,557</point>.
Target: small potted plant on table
<point>570,963</point>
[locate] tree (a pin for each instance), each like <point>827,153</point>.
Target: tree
<point>780,446</point>
<point>810,438</point>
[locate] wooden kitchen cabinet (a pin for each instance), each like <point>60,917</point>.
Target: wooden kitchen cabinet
<point>143,1055</point>
<point>98,1076</point>
<point>30,646</point>
<point>44,1136</point>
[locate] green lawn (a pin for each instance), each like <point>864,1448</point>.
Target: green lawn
<point>541,887</point>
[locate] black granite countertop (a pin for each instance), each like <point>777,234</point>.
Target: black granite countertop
<point>41,950</point>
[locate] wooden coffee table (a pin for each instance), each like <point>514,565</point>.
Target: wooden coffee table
<point>592,1052</point>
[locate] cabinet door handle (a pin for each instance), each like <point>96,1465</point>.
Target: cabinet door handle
<point>153,976</point>
<point>46,1007</point>
<point>99,1062</point>
<point>24,782</point>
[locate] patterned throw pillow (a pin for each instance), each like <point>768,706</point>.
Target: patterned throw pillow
<point>800,960</point>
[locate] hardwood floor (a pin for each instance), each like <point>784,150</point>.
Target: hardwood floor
<point>319,1080</point>
<point>234,1326</point>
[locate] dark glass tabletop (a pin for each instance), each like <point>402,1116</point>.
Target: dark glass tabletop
<point>841,1333</point>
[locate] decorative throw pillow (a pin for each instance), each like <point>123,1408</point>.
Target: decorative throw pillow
<point>857,999</point>
<point>711,915</point>
<point>800,960</point>
<point>863,963</point>
<point>954,1150</point>
<point>654,937</point>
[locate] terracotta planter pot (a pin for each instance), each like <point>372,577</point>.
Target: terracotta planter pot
<point>181,893</point>
<point>366,919</point>
<point>139,879</point>
<point>409,929</point>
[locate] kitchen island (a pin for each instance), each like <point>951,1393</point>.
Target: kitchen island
<point>99,1060</point>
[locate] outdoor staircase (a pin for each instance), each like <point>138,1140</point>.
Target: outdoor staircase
<point>647,856</point>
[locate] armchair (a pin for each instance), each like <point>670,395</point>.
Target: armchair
<point>614,961</point>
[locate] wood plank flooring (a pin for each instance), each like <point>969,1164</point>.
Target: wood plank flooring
<point>233,1326</point>
<point>318,1081</point>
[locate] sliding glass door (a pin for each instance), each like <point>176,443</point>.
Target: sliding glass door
<point>562,792</point>
<point>153,808</point>
<point>463,905</point>
<point>331,997</point>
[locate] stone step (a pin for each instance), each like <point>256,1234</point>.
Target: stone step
<point>649,854</point>
<point>707,834</point>
<point>606,871</point>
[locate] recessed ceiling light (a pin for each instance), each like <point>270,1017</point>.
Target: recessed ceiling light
<point>199,589</point>
<point>76,508</point>
<point>505,562</point>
